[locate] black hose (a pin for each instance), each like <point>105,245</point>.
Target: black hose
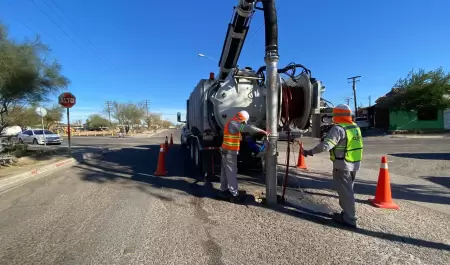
<point>271,27</point>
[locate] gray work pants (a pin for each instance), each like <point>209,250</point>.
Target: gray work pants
<point>228,173</point>
<point>343,182</point>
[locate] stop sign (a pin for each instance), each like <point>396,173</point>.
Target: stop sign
<point>67,100</point>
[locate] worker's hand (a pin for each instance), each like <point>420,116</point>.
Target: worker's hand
<point>264,132</point>
<point>307,153</point>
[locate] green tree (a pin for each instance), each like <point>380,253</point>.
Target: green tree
<point>420,90</point>
<point>127,113</point>
<point>27,75</point>
<point>96,121</point>
<point>27,117</point>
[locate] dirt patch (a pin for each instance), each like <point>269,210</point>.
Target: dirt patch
<point>32,160</point>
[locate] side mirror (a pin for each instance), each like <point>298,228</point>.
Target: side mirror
<point>178,116</point>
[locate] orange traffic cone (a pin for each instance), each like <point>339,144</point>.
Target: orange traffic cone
<point>171,140</point>
<point>166,146</point>
<point>161,167</point>
<point>383,196</point>
<point>301,164</point>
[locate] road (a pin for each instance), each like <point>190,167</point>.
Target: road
<point>112,210</point>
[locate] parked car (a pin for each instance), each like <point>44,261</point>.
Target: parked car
<point>36,136</point>
<point>11,131</point>
<point>363,123</point>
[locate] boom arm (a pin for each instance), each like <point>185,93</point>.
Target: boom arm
<point>236,34</point>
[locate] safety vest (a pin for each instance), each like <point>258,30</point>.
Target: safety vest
<point>231,141</point>
<point>354,149</point>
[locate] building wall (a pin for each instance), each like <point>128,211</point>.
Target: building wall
<point>401,120</point>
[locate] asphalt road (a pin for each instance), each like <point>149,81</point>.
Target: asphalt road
<point>113,210</point>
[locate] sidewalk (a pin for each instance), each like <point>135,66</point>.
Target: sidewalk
<point>13,176</point>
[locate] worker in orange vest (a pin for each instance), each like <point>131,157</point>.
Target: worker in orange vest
<point>229,152</point>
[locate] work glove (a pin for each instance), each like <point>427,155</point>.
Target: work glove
<point>307,153</point>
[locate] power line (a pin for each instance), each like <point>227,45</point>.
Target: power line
<point>57,25</point>
<point>105,61</point>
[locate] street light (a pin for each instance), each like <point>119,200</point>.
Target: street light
<point>202,55</point>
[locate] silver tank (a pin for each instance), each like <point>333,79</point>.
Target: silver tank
<point>232,97</point>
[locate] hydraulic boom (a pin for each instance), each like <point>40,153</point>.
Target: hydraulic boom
<point>236,34</point>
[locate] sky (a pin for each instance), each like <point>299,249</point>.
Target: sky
<point>136,50</point>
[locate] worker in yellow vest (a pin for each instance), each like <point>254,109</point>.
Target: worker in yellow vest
<point>345,144</point>
<point>229,151</point>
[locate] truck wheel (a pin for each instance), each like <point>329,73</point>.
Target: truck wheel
<point>197,157</point>
<point>192,147</point>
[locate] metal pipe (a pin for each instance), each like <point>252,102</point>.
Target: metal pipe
<point>272,104</point>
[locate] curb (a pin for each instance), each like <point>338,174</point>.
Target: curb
<point>12,182</point>
<point>419,136</point>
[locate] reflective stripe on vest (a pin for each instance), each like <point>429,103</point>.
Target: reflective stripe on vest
<point>231,141</point>
<point>354,150</point>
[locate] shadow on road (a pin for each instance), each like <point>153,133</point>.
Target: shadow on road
<point>443,181</point>
<point>411,192</point>
<point>139,165</point>
<point>424,156</point>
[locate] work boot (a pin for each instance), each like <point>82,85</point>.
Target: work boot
<point>225,194</point>
<point>339,218</point>
<point>238,198</point>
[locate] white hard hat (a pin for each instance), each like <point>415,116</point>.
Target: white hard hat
<point>243,115</point>
<point>343,108</point>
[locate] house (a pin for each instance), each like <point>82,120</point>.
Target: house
<point>422,119</point>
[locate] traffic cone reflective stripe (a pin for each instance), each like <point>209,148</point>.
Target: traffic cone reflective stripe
<point>171,140</point>
<point>383,195</point>
<point>161,167</point>
<point>301,164</point>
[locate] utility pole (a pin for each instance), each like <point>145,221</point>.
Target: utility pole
<point>347,100</point>
<point>354,80</point>
<point>146,102</point>
<point>370,101</point>
<point>108,107</point>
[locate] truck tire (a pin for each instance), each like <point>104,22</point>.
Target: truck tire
<point>197,157</point>
<point>191,150</point>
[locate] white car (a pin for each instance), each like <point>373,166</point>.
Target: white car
<point>363,123</point>
<point>36,136</point>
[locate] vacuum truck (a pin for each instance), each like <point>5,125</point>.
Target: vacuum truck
<point>216,99</point>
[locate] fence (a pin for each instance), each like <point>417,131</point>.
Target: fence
<point>92,133</point>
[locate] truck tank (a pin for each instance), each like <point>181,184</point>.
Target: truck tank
<point>240,91</point>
